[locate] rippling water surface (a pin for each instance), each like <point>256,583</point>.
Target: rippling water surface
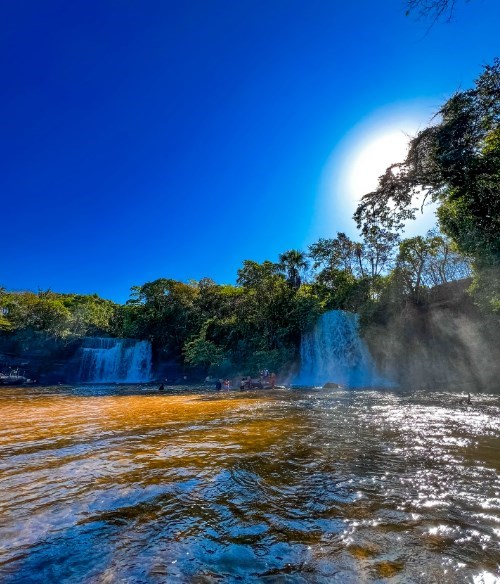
<point>123,484</point>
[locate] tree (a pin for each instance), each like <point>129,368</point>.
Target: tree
<point>368,258</point>
<point>445,264</point>
<point>253,274</point>
<point>376,252</point>
<point>5,323</point>
<point>57,316</point>
<point>200,351</point>
<point>165,313</point>
<point>412,261</point>
<point>266,302</point>
<point>44,312</point>
<point>340,253</point>
<point>90,314</point>
<point>350,271</point>
<point>293,262</point>
<point>271,316</point>
<point>456,164</point>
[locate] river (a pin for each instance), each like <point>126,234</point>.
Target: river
<point>105,484</point>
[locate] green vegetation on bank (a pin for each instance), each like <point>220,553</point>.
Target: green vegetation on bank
<point>258,322</point>
<point>254,324</point>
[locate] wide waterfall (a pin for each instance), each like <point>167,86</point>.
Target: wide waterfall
<point>107,360</point>
<point>334,352</point>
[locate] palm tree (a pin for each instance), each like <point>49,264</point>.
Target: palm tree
<point>293,262</point>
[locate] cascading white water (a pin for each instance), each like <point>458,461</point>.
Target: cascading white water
<point>334,352</point>
<point>107,360</point>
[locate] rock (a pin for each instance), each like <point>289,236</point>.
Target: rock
<point>332,385</point>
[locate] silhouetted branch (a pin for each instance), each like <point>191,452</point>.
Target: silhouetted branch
<point>433,9</point>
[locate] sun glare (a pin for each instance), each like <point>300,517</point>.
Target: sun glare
<point>372,159</point>
<point>361,157</point>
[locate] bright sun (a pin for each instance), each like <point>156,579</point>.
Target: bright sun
<point>372,159</point>
<point>358,161</point>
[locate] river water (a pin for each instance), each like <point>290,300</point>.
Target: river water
<point>124,484</point>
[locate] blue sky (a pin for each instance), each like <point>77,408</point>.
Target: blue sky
<point>176,139</point>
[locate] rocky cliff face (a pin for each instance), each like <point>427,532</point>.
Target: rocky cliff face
<point>39,357</point>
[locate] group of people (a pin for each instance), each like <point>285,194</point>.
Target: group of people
<point>266,380</point>
<point>270,378</point>
<point>223,384</point>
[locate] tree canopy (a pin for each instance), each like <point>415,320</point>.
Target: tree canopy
<point>456,164</point>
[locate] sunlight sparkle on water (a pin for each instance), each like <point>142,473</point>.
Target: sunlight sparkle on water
<point>123,484</point>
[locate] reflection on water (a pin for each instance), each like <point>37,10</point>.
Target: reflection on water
<point>123,484</point>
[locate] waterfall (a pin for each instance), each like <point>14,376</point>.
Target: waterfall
<point>334,352</point>
<point>107,360</point>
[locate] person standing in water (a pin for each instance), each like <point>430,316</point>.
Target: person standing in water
<point>467,401</point>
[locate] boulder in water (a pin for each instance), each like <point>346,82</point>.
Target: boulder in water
<point>332,385</point>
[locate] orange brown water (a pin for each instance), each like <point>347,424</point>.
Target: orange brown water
<point>124,484</point>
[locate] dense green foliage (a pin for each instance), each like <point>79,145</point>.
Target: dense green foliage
<point>56,315</point>
<point>253,325</point>
<point>258,322</point>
